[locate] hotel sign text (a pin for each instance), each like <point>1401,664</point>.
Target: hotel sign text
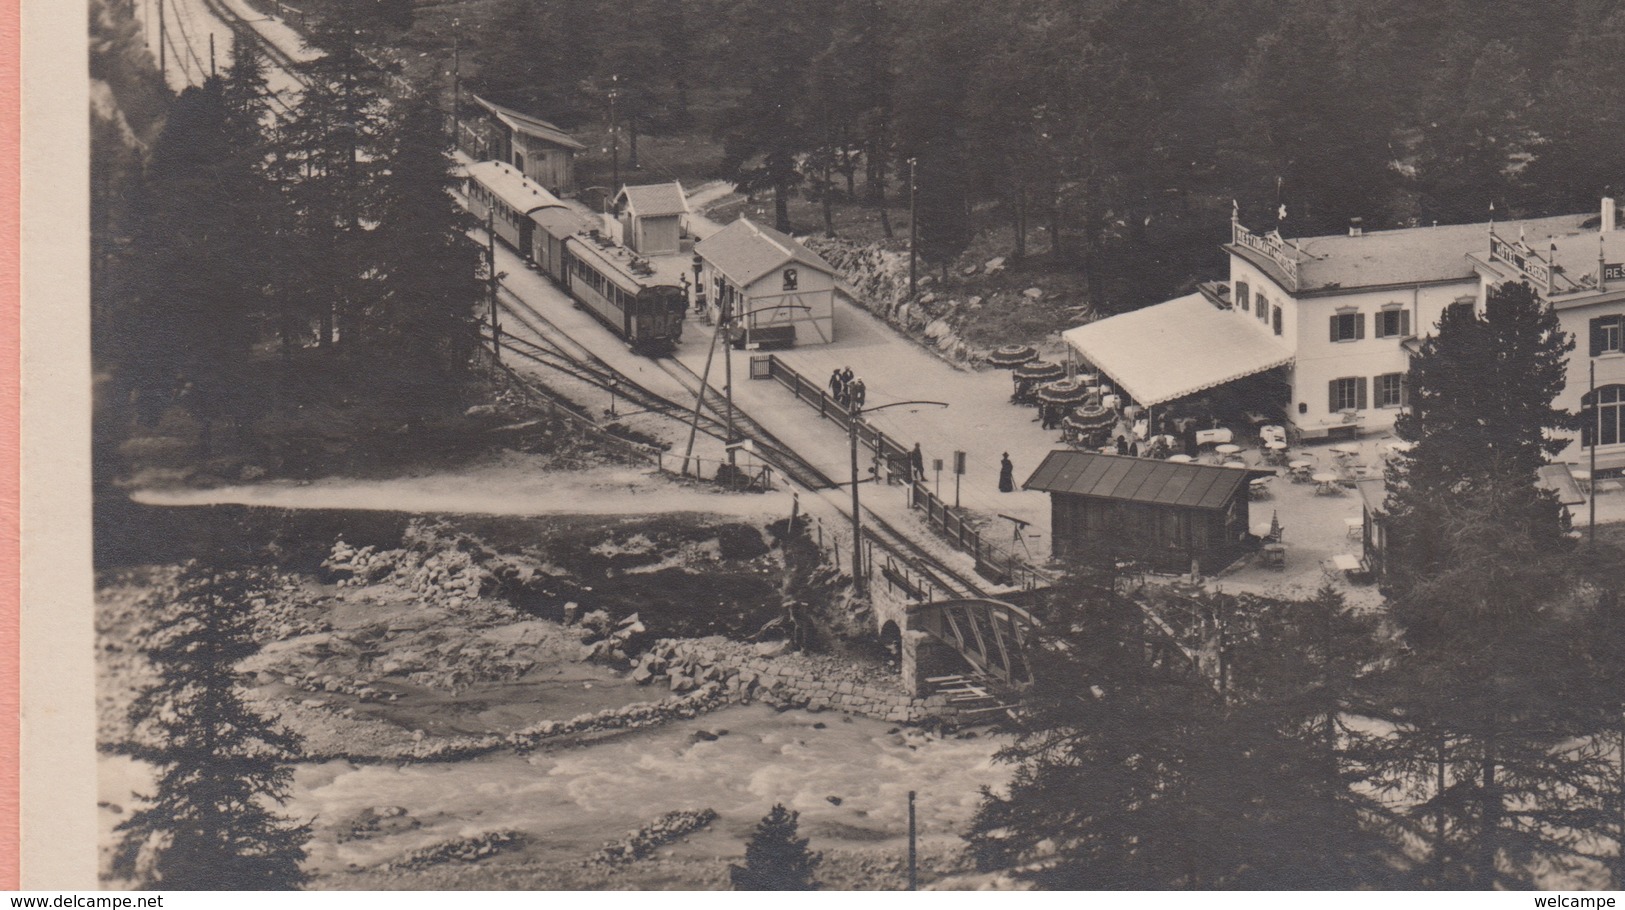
<point>1524,260</point>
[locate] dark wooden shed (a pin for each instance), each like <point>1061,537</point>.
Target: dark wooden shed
<point>1168,514</point>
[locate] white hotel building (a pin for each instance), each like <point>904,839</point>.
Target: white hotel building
<point>1338,318</point>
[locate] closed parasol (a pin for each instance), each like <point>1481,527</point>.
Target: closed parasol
<point>1011,356</point>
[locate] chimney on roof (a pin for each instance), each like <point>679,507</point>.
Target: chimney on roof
<point>1607,214</point>
<point>1356,226</point>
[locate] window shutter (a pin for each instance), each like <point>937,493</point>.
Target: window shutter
<point>1404,391</point>
<point>1331,397</point>
<point>1359,329</point>
<point>1597,334</point>
<point>1334,329</point>
<point>1360,386</point>
<point>1404,323</point>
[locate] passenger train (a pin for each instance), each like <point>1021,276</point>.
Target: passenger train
<point>622,290</point>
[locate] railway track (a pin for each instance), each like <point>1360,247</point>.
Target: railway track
<point>558,350</point>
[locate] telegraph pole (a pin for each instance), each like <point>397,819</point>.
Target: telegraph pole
<point>614,136</point>
<point>163,35</point>
<point>212,71</point>
<point>913,836</point>
<point>1591,495</point>
<point>491,257</point>
<point>456,83</point>
<point>726,329</point>
<point>913,231</point>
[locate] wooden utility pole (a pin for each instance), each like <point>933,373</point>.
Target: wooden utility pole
<point>491,258</point>
<point>614,137</point>
<point>212,71</point>
<point>913,837</point>
<point>726,330</point>
<point>913,231</point>
<point>163,36</point>
<point>1596,427</point>
<point>699,404</point>
<point>857,521</point>
<point>456,84</point>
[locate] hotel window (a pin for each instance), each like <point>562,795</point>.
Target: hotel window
<point>1394,321</point>
<point>1243,299</point>
<point>1391,390</point>
<point>1263,309</point>
<point>790,279</point>
<point>1609,427</point>
<point>1276,316</point>
<point>1348,326</point>
<point>1607,335</point>
<point>1347,394</point>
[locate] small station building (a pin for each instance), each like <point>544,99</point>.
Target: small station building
<point>779,292</point>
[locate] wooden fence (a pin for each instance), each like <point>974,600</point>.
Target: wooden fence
<point>992,562</point>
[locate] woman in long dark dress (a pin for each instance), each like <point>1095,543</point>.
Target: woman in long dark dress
<point>1007,475</point>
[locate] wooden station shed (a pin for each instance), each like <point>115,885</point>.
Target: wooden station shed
<point>1169,515</point>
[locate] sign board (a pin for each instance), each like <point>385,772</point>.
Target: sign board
<point>1613,271</point>
<point>959,462</point>
<point>1523,259</point>
<point>936,465</point>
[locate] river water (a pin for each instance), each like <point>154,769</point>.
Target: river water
<point>573,799</point>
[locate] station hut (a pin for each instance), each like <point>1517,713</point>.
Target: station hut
<point>1173,517</point>
<point>780,292</point>
<point>651,217</point>
<point>540,150</point>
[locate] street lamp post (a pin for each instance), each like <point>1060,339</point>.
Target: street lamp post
<point>853,414</point>
<point>913,231</point>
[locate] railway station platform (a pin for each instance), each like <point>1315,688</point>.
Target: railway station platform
<point>979,420</point>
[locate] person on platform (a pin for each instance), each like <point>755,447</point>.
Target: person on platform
<point>836,384</point>
<point>1007,475</point>
<point>857,392</point>
<point>916,462</point>
<point>1122,444</point>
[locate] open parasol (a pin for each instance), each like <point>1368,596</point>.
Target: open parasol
<point>1039,371</point>
<point>1063,392</point>
<point>1011,356</point>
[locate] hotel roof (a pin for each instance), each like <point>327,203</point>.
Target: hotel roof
<point>1422,255</point>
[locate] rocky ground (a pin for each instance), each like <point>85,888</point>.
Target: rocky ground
<point>458,662</point>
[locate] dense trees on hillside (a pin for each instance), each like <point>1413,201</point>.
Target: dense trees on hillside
<point>1120,129</point>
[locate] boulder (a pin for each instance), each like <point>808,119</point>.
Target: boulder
<point>993,265</point>
<point>1033,293</point>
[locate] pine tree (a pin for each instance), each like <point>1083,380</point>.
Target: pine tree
<point>1490,739</point>
<point>775,858</point>
<point>769,125</point>
<point>1132,774</point>
<point>210,825</point>
<point>428,280</point>
<point>194,289</point>
<point>1480,414</point>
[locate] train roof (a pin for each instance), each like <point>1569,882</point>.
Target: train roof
<point>560,221</point>
<point>615,261</point>
<point>520,192</point>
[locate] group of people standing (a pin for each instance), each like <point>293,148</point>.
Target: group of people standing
<point>847,389</point>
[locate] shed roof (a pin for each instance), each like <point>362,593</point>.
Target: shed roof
<point>1176,348</point>
<point>745,251</point>
<point>520,192</point>
<point>655,200</point>
<point>1145,480</point>
<point>530,126</point>
<point>1559,478</point>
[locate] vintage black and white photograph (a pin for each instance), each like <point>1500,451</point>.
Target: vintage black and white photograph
<point>857,444</point>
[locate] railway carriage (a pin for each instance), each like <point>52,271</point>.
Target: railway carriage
<point>603,279</point>
<point>618,287</point>
<point>499,194</point>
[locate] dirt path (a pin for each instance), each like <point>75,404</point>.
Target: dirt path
<point>507,487</point>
